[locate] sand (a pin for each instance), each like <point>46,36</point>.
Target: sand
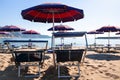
<point>97,66</point>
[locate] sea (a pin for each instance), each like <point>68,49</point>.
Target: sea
<point>75,41</point>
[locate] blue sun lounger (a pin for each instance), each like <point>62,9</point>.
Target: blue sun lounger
<point>69,55</point>
<point>22,57</point>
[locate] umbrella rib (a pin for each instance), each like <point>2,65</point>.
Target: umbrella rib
<point>72,16</point>
<point>27,13</point>
<point>60,18</point>
<point>35,17</point>
<point>47,17</point>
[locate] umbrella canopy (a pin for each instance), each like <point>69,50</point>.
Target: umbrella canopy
<point>11,28</point>
<point>61,28</point>
<point>30,32</point>
<point>118,28</point>
<point>118,33</point>
<point>94,32</point>
<point>108,29</point>
<point>49,11</point>
<point>4,34</point>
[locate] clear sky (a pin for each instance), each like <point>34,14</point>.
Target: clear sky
<point>97,13</point>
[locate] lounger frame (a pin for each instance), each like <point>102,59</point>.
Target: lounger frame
<point>24,58</point>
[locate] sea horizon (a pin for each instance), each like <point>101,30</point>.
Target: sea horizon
<point>74,41</point>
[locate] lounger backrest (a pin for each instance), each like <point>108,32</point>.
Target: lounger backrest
<point>69,55</point>
<point>26,57</point>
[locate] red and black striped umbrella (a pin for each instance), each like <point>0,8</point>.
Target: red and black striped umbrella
<point>4,34</point>
<point>11,28</point>
<point>118,33</point>
<point>52,12</point>
<point>94,32</point>
<point>61,28</point>
<point>30,32</point>
<point>108,29</point>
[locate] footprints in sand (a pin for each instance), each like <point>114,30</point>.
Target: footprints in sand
<point>101,69</point>
<point>90,70</point>
<point>112,76</point>
<point>4,61</point>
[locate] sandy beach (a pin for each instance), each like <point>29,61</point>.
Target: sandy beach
<point>97,66</point>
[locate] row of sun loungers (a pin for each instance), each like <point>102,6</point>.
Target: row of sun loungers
<point>103,48</point>
<point>28,55</point>
<point>62,54</point>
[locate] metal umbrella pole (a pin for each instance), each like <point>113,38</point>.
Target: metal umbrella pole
<point>108,42</point>
<point>53,42</point>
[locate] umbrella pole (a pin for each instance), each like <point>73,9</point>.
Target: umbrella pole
<point>52,45</point>
<point>108,42</point>
<point>95,40</point>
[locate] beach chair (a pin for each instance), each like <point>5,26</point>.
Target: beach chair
<point>70,54</point>
<point>67,46</point>
<point>28,57</point>
<point>4,48</point>
<point>66,56</point>
<point>117,47</point>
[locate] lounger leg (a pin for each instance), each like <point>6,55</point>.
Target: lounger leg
<point>39,70</point>
<point>58,71</point>
<point>18,71</point>
<point>68,76</point>
<point>78,69</point>
<point>54,59</point>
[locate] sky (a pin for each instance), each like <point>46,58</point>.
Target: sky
<point>97,13</point>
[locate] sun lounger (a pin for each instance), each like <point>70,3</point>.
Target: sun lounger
<point>69,54</point>
<point>63,46</point>
<point>117,47</point>
<point>99,47</point>
<point>28,57</point>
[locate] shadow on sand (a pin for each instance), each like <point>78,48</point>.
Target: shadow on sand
<point>103,56</point>
<point>52,73</point>
<point>10,73</point>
